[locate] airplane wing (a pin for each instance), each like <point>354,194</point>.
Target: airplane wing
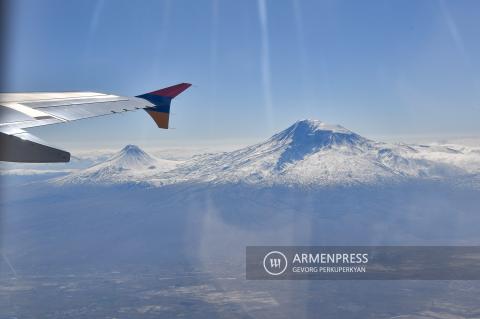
<point>19,111</point>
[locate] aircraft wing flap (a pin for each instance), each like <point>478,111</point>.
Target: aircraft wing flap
<point>27,148</point>
<point>87,110</point>
<point>9,115</point>
<point>34,114</point>
<point>74,101</point>
<point>8,128</point>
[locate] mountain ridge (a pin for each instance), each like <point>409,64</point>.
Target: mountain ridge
<point>309,152</point>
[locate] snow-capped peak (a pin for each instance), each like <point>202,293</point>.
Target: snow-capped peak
<point>131,164</point>
<point>308,136</point>
<point>131,150</point>
<point>131,157</point>
<point>317,125</point>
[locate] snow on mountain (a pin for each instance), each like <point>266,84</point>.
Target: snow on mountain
<point>131,164</point>
<point>309,152</point>
<point>465,157</point>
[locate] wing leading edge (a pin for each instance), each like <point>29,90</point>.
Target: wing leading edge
<point>23,110</point>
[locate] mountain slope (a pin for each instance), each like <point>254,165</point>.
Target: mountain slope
<point>307,153</point>
<point>131,164</point>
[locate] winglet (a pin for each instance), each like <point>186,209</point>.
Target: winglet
<point>161,99</point>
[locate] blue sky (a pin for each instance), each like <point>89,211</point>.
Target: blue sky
<point>380,68</point>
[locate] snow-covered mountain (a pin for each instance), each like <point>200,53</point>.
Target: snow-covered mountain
<point>131,164</point>
<point>309,152</point>
<point>312,152</point>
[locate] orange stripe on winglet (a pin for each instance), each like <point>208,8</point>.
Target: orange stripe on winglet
<point>161,118</point>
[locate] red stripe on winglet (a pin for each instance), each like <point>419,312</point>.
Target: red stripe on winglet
<point>172,91</point>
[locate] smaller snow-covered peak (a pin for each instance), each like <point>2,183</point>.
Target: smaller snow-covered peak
<point>132,152</point>
<point>131,157</point>
<point>132,149</point>
<point>130,165</point>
